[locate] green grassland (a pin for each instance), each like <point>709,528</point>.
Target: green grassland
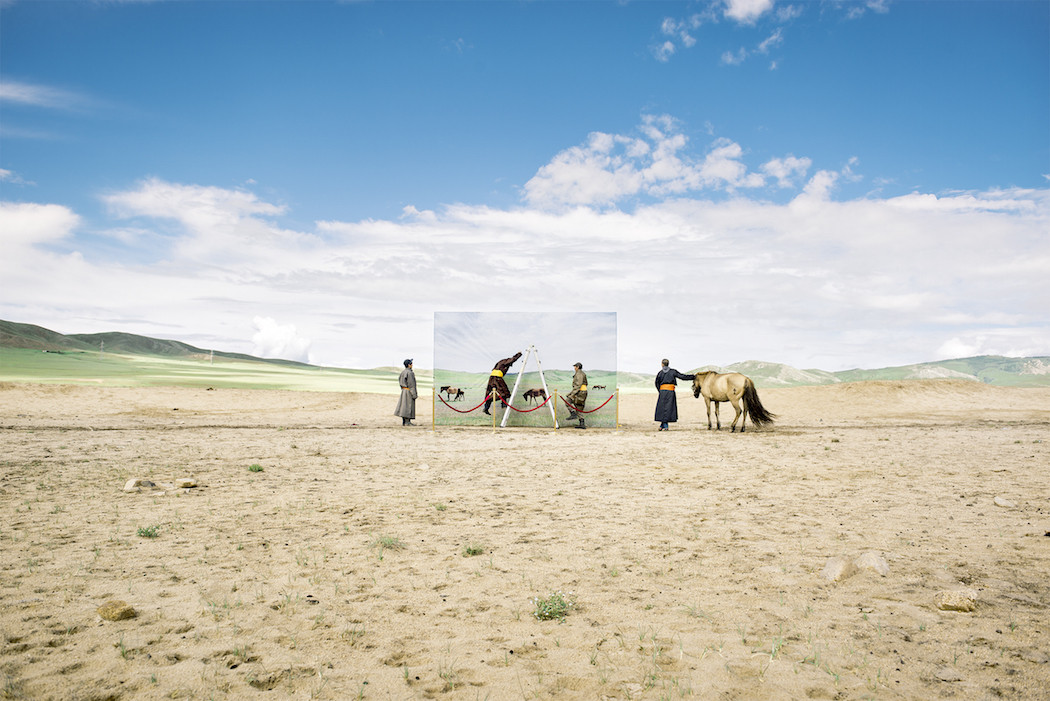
<point>124,370</point>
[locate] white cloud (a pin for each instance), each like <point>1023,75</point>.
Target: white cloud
<point>29,94</point>
<point>679,32</point>
<point>9,176</point>
<point>818,189</point>
<point>26,224</point>
<point>612,167</point>
<point>730,58</point>
<point>215,221</point>
<point>274,340</point>
<point>859,9</point>
<point>664,51</point>
<point>815,282</point>
<point>747,11</point>
<point>775,39</point>
<point>786,169</point>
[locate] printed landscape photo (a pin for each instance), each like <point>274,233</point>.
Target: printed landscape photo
<point>467,345</point>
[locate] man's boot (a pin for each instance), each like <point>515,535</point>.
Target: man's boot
<point>582,425</point>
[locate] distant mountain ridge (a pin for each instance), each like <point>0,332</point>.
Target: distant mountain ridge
<point>16,335</point>
<point>988,369</point>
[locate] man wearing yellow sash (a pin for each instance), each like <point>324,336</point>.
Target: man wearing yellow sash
<point>577,398</point>
<point>496,381</point>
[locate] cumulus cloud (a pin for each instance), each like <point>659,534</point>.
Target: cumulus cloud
<point>210,221</point>
<point>609,168</point>
<point>735,58</point>
<point>785,170</point>
<point>664,51</point>
<point>747,11</point>
<point>274,340</point>
<point>814,281</point>
<point>678,32</point>
<point>26,224</point>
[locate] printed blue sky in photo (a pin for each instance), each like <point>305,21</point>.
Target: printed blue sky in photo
<point>475,341</point>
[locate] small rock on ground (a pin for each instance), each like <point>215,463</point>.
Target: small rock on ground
<point>837,569</point>
<point>956,600</point>
<point>872,561</point>
<point>137,485</point>
<point>116,610</point>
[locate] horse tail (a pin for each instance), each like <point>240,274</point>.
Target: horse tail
<point>758,413</point>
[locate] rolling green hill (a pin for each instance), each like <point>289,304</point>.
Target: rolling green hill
<point>15,335</point>
<point>123,358</point>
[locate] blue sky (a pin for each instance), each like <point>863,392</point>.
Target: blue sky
<point>823,184</point>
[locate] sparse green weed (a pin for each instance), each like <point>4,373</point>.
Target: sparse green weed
<point>554,607</point>
<point>149,531</point>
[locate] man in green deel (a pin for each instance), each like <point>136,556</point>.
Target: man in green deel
<point>577,398</point>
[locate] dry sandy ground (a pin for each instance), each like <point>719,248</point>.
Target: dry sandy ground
<point>695,559</point>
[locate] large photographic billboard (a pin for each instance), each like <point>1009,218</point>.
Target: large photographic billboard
<point>469,345</point>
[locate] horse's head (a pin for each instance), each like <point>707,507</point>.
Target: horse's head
<point>698,381</point>
<point>443,388</point>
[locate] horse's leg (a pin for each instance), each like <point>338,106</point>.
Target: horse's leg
<point>736,406</point>
<point>718,418</point>
<point>707,401</point>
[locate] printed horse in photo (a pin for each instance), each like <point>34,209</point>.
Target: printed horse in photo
<point>537,394</point>
<point>731,387</point>
<point>452,392</point>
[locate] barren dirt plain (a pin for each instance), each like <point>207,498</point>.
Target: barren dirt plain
<point>326,552</point>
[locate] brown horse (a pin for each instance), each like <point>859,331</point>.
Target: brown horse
<point>731,387</point>
<point>536,394</point>
<point>451,392</point>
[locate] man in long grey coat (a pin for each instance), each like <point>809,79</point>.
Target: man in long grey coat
<point>406,405</point>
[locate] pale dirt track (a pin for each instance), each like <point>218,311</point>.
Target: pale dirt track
<point>695,557</point>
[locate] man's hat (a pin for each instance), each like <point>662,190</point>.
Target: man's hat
<point>408,361</point>
<point>578,365</point>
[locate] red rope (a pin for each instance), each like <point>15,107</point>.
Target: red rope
<point>461,411</point>
<point>581,411</point>
<point>525,411</point>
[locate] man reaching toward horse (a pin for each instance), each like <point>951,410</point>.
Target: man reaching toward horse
<point>496,381</point>
<point>667,400</point>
